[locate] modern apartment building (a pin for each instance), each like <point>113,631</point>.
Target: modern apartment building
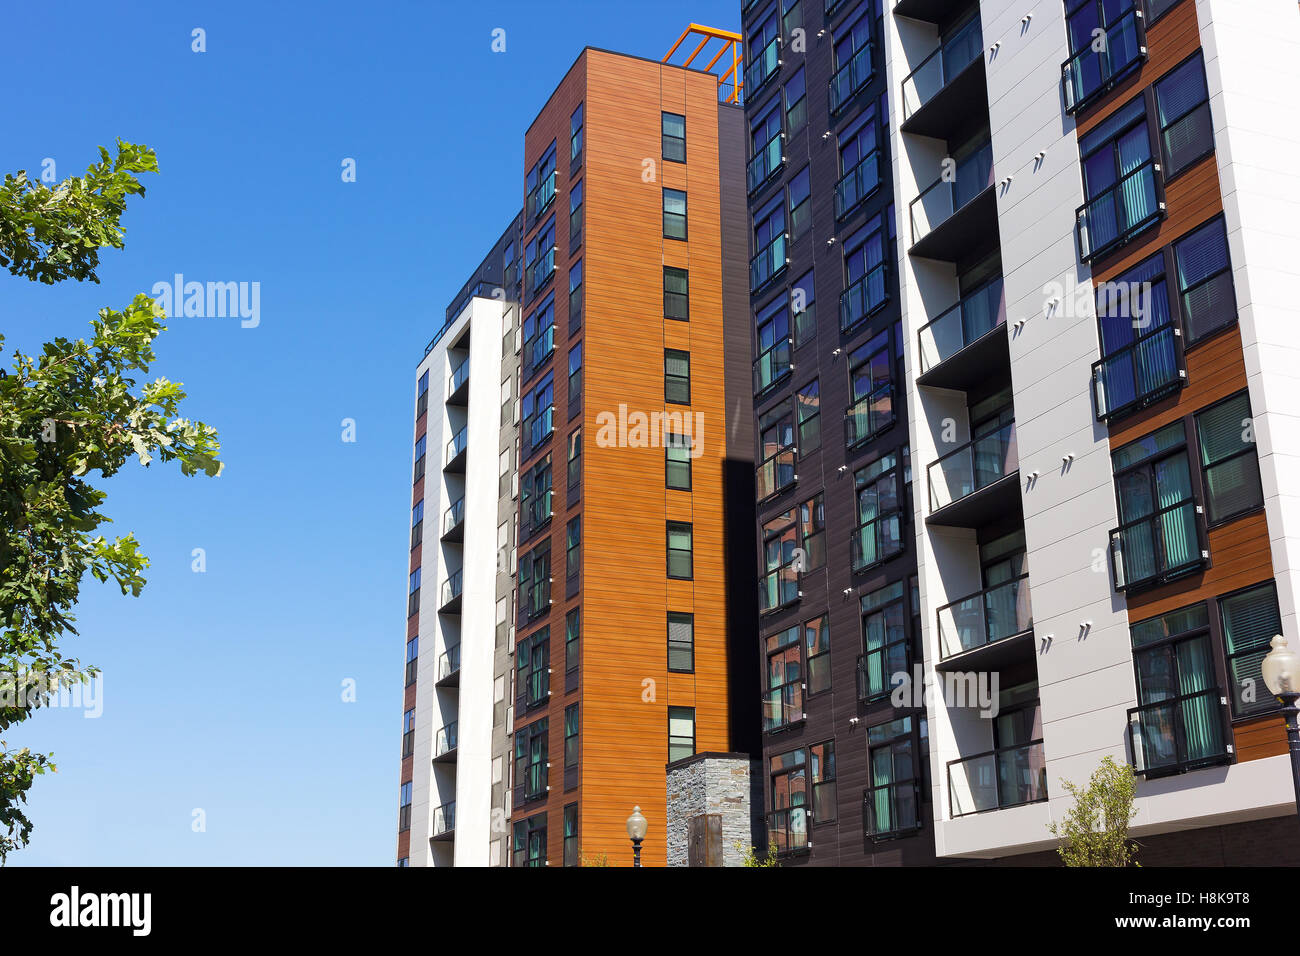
<point>618,413</point>
<point>1055,282</point>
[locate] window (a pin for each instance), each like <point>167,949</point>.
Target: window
<point>571,835</point>
<point>535,497</point>
<point>575,458</point>
<point>677,464</point>
<point>1183,111</point>
<point>404,807</point>
<point>572,546</point>
<point>421,444</point>
<point>572,636</point>
<point>852,61</point>
<point>787,823</point>
<point>821,761</point>
<point>878,534</point>
<point>871,391</point>
<point>772,329</point>
<point>530,759</point>
<point>408,733</point>
<point>539,337</point>
<point>681,642</point>
<point>404,862</point>
<point>571,737</point>
<point>575,215</point>
<point>539,258</point>
<point>538,414</point>
<point>770,241</point>
<point>412,659</point>
<point>896,759</point>
<point>1205,291</point>
<point>1178,723</point>
<point>1119,181</point>
<point>677,377</point>
<point>1106,41</point>
<point>677,299</point>
<point>859,163</point>
<point>533,667</point>
<point>575,296</point>
<point>422,398</point>
<point>674,138</point>
<point>674,214</point>
<point>766,149</point>
<point>778,469</point>
<point>791,16</point>
<point>796,103</point>
<point>540,185</point>
<point>817,653</point>
<point>1158,538</point>
<point>807,403</point>
<point>1250,621</point>
<point>535,582</point>
<point>413,594</point>
<point>417,524</point>
<point>575,137</point>
<point>681,733</point>
<point>812,533</point>
<point>864,274</point>
<point>530,841</point>
<point>1141,360</point>
<point>800,193</point>
<point>575,379</point>
<point>680,550</point>
<point>1226,434</point>
<point>887,641</point>
<point>763,50</point>
<point>803,305</point>
<point>779,586</point>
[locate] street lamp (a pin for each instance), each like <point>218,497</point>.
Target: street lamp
<point>636,827</point>
<point>1281,670</point>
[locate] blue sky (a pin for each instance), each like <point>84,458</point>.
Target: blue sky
<point>222,690</point>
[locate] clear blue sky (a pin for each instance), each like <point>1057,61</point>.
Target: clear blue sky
<point>222,690</point>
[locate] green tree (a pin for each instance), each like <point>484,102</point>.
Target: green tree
<point>749,856</point>
<point>74,411</point>
<point>1094,831</point>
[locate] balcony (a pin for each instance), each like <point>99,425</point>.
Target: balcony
<point>768,264</point>
<point>778,588</point>
<point>444,822</point>
<point>762,68</point>
<point>1008,777</point>
<point>947,96</point>
<point>451,589</point>
<point>773,366</point>
<point>444,744</point>
<point>876,540</point>
<point>989,617</point>
<point>1113,218</point>
<point>930,11</point>
<point>960,348</point>
<point>782,707</point>
<point>862,298</point>
<point>977,482</point>
<point>449,667</point>
<point>1090,74</point>
<point>1180,734</point>
<point>787,830</point>
<point>767,162</point>
<point>1158,548</point>
<point>892,810</point>
<point>869,416</point>
<point>453,521</point>
<point>458,385</point>
<point>851,79</point>
<point>777,472</point>
<point>456,449</point>
<point>857,184</point>
<point>1138,375</point>
<point>958,218</point>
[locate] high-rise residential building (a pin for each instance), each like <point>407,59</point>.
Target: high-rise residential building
<point>1051,243</point>
<point>617,415</point>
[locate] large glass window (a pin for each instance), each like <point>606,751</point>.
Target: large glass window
<point>535,581</point>
<point>779,585</point>
<point>817,653</point>
<point>1158,537</point>
<point>538,414</point>
<point>539,258</point>
<point>677,376</point>
<point>871,390</point>
<point>896,756</point>
<point>887,641</point>
<point>572,639</point>
<point>796,102</point>
<point>575,136</point>
<point>677,462</point>
<point>1183,108</point>
<point>674,214</point>
<point>1141,360</point>
<point>575,215</point>
<point>787,823</point>
<point>1226,435</point>
<point>766,149</point>
<point>859,163</point>
<point>800,194</point>
<point>674,137</point>
<point>573,547</point>
<point>530,759</point>
<point>677,298</point>
<point>1119,179</point>
<point>821,763</point>
<point>1105,38</point>
<point>533,664</point>
<point>1205,289</point>
<point>540,185</point>
<point>530,841</point>
<point>1250,621</point>
<point>681,642</point>
<point>571,835</point>
<point>539,336</point>
<point>784,697</point>
<point>680,550</point>
<point>681,733</point>
<point>878,533</point>
<point>803,306</point>
<point>772,329</point>
<point>807,403</point>
<point>769,244</point>
<point>535,499</point>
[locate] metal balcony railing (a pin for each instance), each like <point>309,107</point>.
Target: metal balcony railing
<point>767,160</point>
<point>985,617</point>
<point>869,415</point>
<point>787,830</point>
<point>1114,216</point>
<point>891,810</point>
<point>777,472</point>
<point>1180,733</point>
<point>1007,777</point>
<point>863,297</point>
<point>876,540</point>
<point>1143,372</point>
<point>857,184</point>
<point>850,78</point>
<point>1158,547</point>
<point>1095,69</point>
<point>769,263</point>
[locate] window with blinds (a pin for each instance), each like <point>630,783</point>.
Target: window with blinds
<point>1183,110</point>
<point>1250,621</point>
<point>681,642</point>
<point>1205,291</point>
<point>1226,434</point>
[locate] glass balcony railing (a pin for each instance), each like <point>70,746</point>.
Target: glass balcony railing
<point>891,810</point>
<point>459,442</point>
<point>857,184</point>
<point>782,706</point>
<point>445,741</point>
<point>1092,71</point>
<point>458,378</point>
<point>973,466</point>
<point>449,662</point>
<point>762,67</point>
<point>985,617</point>
<point>787,830</point>
<point>944,198</point>
<point>538,349</point>
<point>772,365</point>
<point>768,264</point>
<point>977,314</point>
<point>938,69</point>
<point>1008,777</point>
<point>451,588</point>
<point>1110,219</point>
<point>541,270</point>
<point>876,540</point>
<point>766,161</point>
<point>1179,734</point>
<point>1140,373</point>
<point>541,197</point>
<point>1159,547</point>
<point>869,416</point>
<point>778,588</point>
<point>453,516</point>
<point>444,819</point>
<point>850,78</point>
<point>863,297</point>
<point>776,473</point>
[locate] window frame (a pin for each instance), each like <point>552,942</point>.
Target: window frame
<point>682,618</point>
<point>675,194</point>
<point>1251,448</point>
<point>680,527</point>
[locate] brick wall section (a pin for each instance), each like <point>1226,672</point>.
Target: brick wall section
<point>713,783</point>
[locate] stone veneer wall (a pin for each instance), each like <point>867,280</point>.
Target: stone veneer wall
<point>725,784</point>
